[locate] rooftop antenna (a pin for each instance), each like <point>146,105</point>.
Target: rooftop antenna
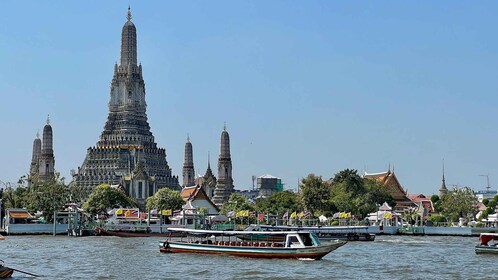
<point>487,180</point>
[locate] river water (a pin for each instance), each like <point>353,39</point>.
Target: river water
<point>388,257</point>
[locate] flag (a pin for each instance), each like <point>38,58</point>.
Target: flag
<point>336,215</point>
<point>388,215</point>
<point>307,214</point>
<point>348,215</point>
<point>231,214</point>
<point>342,215</point>
<point>127,213</point>
<point>261,217</point>
<point>166,212</point>
<point>293,215</point>
<point>300,215</point>
<point>286,215</point>
<point>242,213</point>
<point>119,211</point>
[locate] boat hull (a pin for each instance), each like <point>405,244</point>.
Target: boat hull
<point>482,249</point>
<point>122,233</point>
<point>5,272</point>
<point>348,237</point>
<point>252,252</point>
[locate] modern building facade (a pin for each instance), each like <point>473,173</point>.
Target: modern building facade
<point>268,184</point>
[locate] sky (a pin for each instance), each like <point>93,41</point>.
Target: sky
<point>304,87</point>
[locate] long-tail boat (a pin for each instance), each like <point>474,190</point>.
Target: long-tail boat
<point>296,245</point>
<point>5,272</point>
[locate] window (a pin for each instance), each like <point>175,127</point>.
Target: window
<point>140,189</point>
<point>151,189</point>
<point>128,187</point>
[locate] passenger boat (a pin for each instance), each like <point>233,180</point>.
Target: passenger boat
<point>350,233</point>
<point>296,245</point>
<point>5,272</point>
<point>484,247</point>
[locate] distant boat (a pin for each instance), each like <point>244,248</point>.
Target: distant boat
<point>484,246</point>
<point>132,232</point>
<point>296,245</point>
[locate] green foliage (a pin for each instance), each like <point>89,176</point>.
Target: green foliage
<point>104,198</point>
<point>48,198</point>
<point>484,214</point>
<point>335,223</point>
<point>434,198</point>
<point>485,202</point>
<point>314,194</point>
<point>491,207</point>
<point>236,203</point>
<point>351,193</point>
<point>436,218</point>
<point>279,202</point>
<point>459,203</point>
<point>165,199</point>
<point>351,180</point>
<point>202,210</point>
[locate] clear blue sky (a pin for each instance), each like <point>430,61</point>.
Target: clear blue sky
<point>314,86</point>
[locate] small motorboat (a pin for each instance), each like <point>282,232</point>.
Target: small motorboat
<point>295,245</point>
<point>485,247</point>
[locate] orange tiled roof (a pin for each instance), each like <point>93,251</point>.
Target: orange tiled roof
<point>189,192</point>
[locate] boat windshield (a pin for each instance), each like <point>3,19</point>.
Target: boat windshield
<point>314,239</point>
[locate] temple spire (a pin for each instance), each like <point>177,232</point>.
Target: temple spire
<point>443,189</point>
<point>128,17</point>
<point>48,119</point>
<point>129,43</point>
<point>209,160</point>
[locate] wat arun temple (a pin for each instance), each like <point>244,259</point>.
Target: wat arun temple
<point>126,153</point>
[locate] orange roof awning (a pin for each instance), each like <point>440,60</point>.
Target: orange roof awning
<point>19,215</point>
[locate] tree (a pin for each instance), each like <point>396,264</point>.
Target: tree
<point>314,194</point>
<point>48,197</point>
<point>459,203</point>
<point>236,203</point>
<point>165,199</point>
<point>351,180</point>
<point>279,202</point>
<point>103,198</point>
<point>360,196</point>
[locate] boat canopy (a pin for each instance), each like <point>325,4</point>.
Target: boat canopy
<point>231,232</point>
<point>486,237</point>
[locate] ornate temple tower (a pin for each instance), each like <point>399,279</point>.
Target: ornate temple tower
<point>188,165</point>
<point>127,133</point>
<point>34,167</point>
<point>443,189</point>
<point>224,184</point>
<point>46,167</point>
<point>209,180</point>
